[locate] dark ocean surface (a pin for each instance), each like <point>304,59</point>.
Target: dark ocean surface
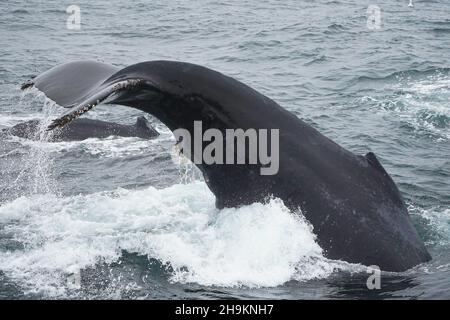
<point>124,218</point>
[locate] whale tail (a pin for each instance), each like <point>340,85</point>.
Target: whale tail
<point>354,206</point>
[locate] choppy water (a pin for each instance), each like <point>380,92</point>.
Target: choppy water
<point>128,222</point>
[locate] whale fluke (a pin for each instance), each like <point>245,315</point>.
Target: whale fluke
<point>353,204</point>
<point>63,84</point>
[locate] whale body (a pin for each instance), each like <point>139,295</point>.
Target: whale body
<point>354,206</point>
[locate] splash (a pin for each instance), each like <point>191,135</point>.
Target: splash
<point>259,245</point>
<point>34,171</point>
<point>437,220</point>
<point>187,171</point>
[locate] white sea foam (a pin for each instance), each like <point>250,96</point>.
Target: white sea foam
<point>438,219</point>
<point>11,120</point>
<point>256,245</point>
<point>423,104</point>
<point>111,147</point>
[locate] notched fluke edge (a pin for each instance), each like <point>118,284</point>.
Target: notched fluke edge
<point>92,102</point>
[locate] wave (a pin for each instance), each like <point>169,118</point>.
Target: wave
<point>420,102</point>
<point>406,74</point>
<point>111,147</point>
<point>438,224</point>
<point>441,30</point>
<point>260,245</point>
<point>20,11</point>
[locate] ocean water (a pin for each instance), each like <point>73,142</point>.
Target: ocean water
<point>124,218</point>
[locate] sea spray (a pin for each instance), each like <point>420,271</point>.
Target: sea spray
<point>35,171</point>
<point>260,245</point>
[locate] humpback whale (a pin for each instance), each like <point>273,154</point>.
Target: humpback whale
<point>354,206</point>
<point>81,129</point>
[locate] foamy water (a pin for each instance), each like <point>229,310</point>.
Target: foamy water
<point>255,246</point>
<point>422,103</point>
<point>260,245</point>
